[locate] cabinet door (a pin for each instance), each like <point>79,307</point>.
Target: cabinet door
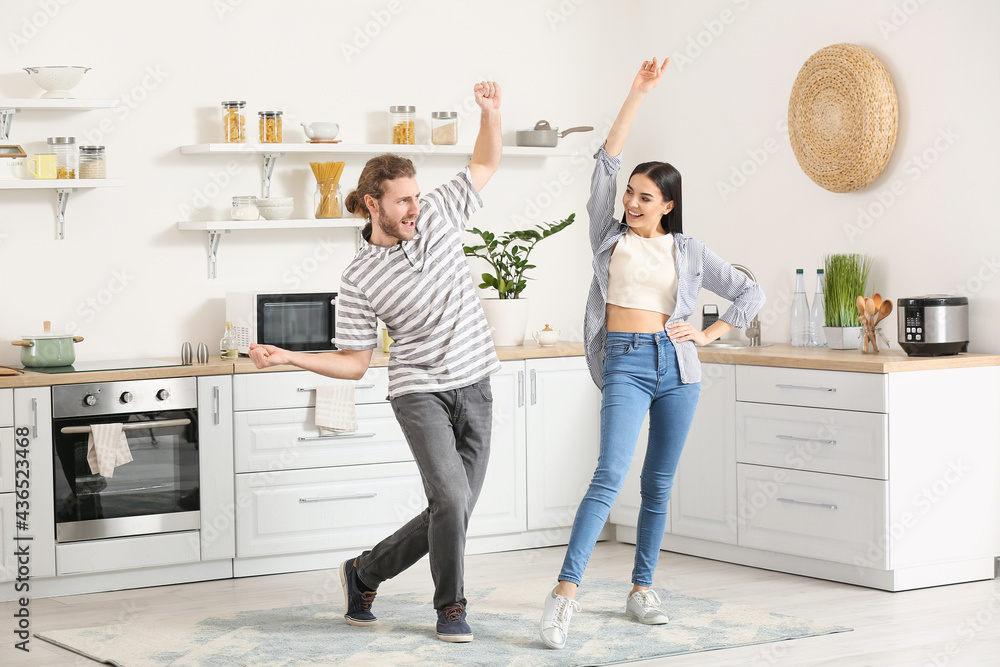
<point>215,446</point>
<point>704,498</point>
<point>563,421</point>
<point>6,407</point>
<point>501,506</point>
<point>33,413</point>
<point>8,564</point>
<point>6,460</point>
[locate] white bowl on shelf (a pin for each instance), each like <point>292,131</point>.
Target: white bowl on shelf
<point>276,208</point>
<point>57,81</point>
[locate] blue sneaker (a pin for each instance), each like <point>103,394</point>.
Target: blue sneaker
<point>451,625</point>
<point>358,602</point>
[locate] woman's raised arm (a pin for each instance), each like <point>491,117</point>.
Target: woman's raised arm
<point>648,77</point>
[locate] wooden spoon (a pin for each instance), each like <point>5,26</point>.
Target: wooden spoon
<point>869,308</point>
<point>861,305</point>
<point>884,311</point>
<point>877,300</point>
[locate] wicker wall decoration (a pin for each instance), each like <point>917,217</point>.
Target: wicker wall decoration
<point>842,117</point>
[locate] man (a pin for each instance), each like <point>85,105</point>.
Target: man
<point>411,273</point>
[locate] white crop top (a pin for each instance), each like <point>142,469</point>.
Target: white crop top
<point>643,273</point>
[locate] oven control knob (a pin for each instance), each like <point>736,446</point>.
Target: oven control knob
<point>90,399</point>
<point>126,397</point>
<point>162,395</point>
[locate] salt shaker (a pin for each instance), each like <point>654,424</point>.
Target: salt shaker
<point>186,354</point>
<point>202,353</point>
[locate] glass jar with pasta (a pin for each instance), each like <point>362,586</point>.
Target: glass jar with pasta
<point>233,122</point>
<point>270,127</point>
<point>401,125</point>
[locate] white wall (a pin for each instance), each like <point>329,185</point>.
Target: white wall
<point>134,285</point>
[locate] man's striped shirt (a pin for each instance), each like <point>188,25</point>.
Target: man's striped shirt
<point>422,290</point>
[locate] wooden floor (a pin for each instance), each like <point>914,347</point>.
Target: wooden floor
<point>949,625</point>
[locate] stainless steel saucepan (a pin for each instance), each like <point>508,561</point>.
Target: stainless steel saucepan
<point>545,135</point>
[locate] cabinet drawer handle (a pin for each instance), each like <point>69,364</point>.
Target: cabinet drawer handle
<point>335,436</point>
<point>216,403</point>
<point>323,499</point>
<point>798,439</point>
<point>357,385</point>
<point>520,388</point>
<point>802,386</point>
<point>534,391</point>
<point>34,418</point>
<point>828,506</point>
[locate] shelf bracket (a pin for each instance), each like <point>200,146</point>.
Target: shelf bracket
<point>267,170</point>
<point>214,236</point>
<point>6,116</point>
<point>62,198</point>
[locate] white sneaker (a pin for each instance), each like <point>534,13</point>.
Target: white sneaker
<point>644,606</point>
<point>555,619</point>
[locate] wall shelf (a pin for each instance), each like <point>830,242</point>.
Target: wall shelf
<point>216,228</point>
<point>11,106</point>
<point>63,187</point>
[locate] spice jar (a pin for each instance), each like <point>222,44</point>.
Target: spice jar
<point>92,164</point>
<point>233,122</point>
<point>444,128</point>
<point>328,198</point>
<point>270,127</point>
<point>67,159</point>
<point>245,208</point>
<point>401,125</point>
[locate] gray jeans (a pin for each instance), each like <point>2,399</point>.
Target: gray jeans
<point>449,435</point>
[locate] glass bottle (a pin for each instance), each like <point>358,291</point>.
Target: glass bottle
<point>270,127</point>
<point>800,312</point>
<point>92,163</point>
<point>444,128</point>
<point>401,125</point>
<point>233,122</point>
<point>817,337</point>
<point>245,208</point>
<point>67,158</point>
<point>227,346</point>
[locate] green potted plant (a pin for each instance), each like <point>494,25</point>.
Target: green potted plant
<point>846,280</point>
<point>507,254</point>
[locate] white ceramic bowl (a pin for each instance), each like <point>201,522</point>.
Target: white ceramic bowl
<point>276,208</point>
<point>56,81</point>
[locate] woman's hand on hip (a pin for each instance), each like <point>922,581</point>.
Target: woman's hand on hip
<point>649,75</point>
<point>682,331</point>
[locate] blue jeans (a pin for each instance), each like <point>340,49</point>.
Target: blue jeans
<point>640,376</point>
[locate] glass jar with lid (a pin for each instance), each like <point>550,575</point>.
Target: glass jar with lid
<point>270,127</point>
<point>233,122</point>
<point>67,158</point>
<point>444,128</point>
<point>92,163</point>
<point>328,199</point>
<point>245,208</point>
<point>401,125</point>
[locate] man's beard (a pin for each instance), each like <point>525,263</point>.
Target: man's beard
<point>393,228</point>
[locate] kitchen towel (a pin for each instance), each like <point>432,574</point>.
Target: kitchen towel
<point>335,408</point>
<point>107,448</point>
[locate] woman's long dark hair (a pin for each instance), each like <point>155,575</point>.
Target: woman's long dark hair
<point>668,180</point>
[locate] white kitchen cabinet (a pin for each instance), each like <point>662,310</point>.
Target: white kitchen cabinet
<point>33,412</point>
<point>6,459</point>
<point>215,470</point>
<point>889,480</point>
<point>502,504</point>
<point>6,407</point>
<point>562,426</point>
<point>8,562</point>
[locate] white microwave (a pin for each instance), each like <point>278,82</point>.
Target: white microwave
<point>299,321</point>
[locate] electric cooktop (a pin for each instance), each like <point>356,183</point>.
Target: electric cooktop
<point>109,365</point>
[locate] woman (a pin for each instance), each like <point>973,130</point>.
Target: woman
<point>642,353</point>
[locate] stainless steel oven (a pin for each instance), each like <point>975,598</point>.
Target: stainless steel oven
<point>157,492</point>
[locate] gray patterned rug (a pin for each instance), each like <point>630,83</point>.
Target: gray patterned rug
<point>504,620</point>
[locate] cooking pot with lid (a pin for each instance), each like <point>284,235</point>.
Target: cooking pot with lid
<point>47,350</point>
<point>933,325</point>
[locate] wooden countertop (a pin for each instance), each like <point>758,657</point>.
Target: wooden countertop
<point>779,355</point>
<point>885,361</point>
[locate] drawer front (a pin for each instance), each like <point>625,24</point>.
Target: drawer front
<point>830,517</point>
<point>127,553</point>
<point>296,389</point>
<point>7,459</point>
<point>6,407</point>
<point>298,511</point>
<point>8,563</point>
<point>811,389</point>
<point>835,441</point>
<point>289,440</point>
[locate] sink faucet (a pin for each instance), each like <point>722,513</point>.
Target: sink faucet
<point>753,329</point>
